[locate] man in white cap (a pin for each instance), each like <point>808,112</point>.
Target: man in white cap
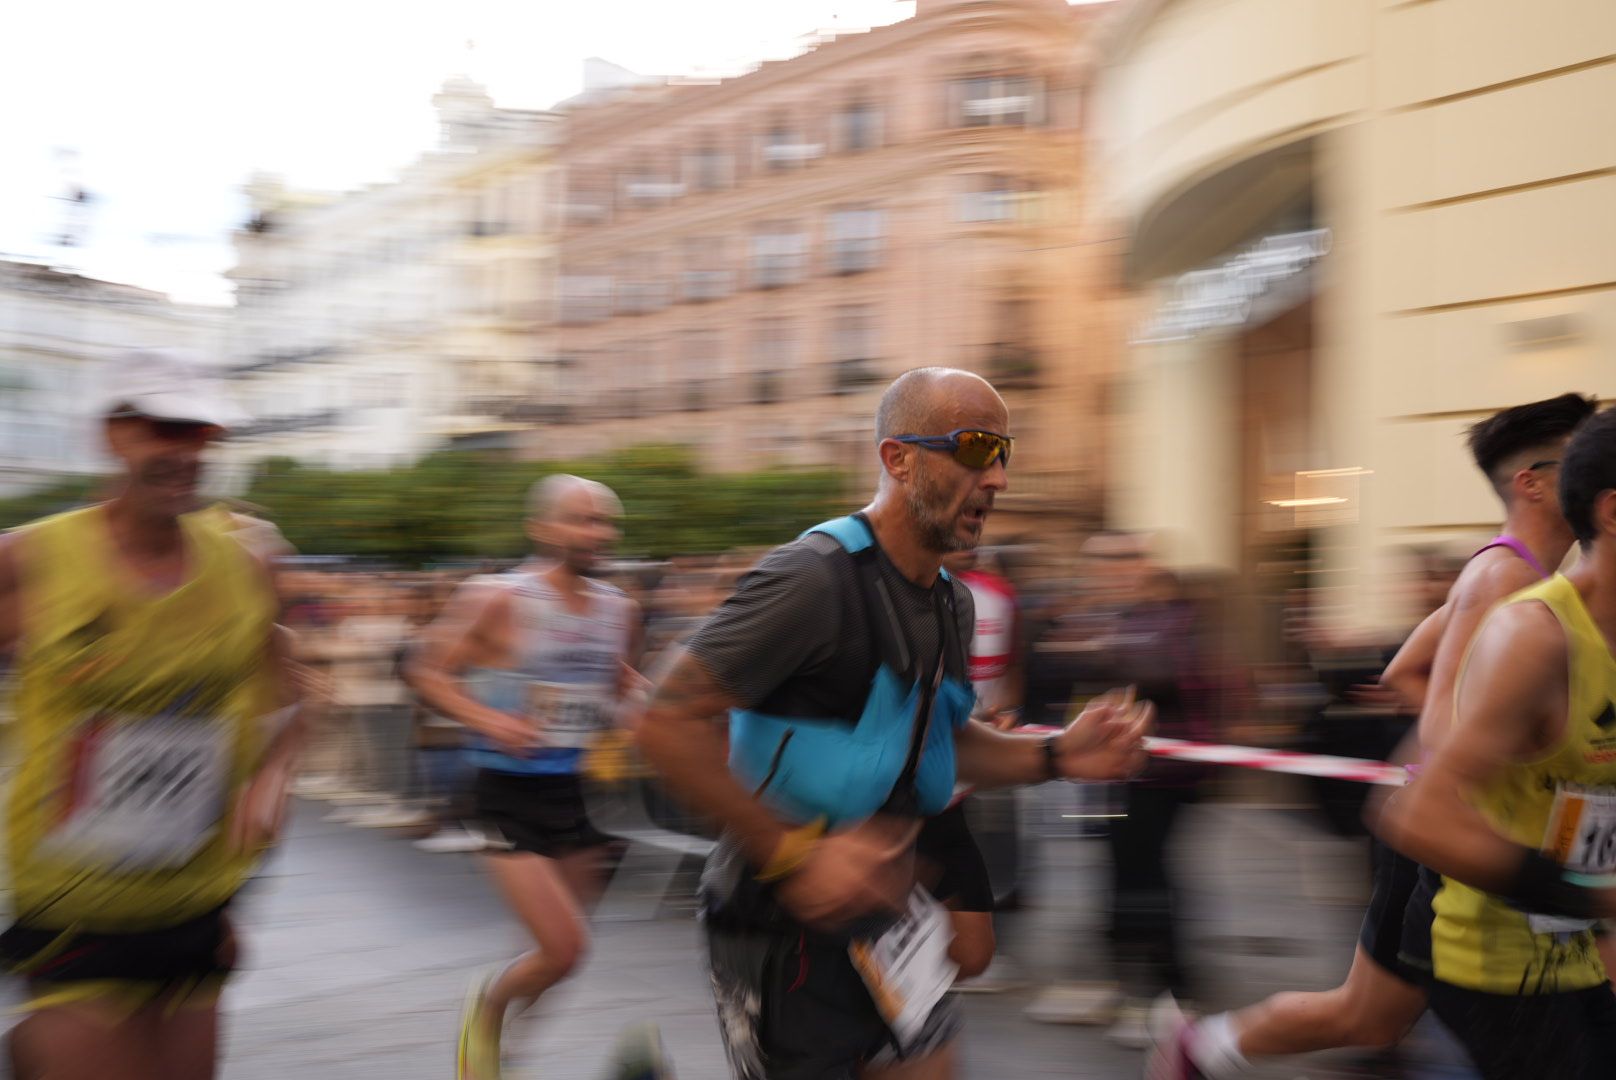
<point>153,719</point>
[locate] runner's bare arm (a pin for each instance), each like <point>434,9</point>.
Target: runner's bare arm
<point>629,678</point>
<point>261,806</point>
<point>1409,673</point>
<point>1105,742</point>
<point>1474,595</point>
<point>1512,699</point>
<point>684,745</point>
<point>472,632</point>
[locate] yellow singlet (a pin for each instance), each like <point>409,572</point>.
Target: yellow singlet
<point>1481,943</point>
<point>135,727</point>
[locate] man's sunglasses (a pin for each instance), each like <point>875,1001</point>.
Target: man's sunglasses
<point>173,430</point>
<point>971,447</point>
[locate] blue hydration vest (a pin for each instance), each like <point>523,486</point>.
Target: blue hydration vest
<point>846,768</point>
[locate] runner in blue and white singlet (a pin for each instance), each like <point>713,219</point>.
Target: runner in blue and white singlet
<point>535,664</point>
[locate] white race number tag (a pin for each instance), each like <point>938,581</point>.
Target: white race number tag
<point>907,969</point>
<point>145,794</point>
<point>1581,836</point>
<point>568,715</point>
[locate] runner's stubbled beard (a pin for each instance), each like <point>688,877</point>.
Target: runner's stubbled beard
<point>933,509</point>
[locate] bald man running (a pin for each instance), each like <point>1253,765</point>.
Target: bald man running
<point>535,663</point>
<point>842,662</point>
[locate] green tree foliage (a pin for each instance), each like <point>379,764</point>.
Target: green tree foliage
<point>63,495</point>
<point>460,505</point>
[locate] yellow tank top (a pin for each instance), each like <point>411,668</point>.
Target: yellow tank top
<point>1477,940</point>
<point>135,727</point>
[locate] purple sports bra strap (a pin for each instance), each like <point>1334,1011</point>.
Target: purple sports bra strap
<point>1504,540</point>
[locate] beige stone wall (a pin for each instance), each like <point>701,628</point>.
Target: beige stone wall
<point>1464,158</point>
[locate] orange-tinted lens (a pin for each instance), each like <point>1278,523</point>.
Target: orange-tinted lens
<point>979,449</point>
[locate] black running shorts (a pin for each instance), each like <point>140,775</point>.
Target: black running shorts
<point>1569,1036</point>
<point>1395,878</point>
<point>174,963</point>
<point>540,814</point>
<point>791,1006</point>
<point>950,864</point>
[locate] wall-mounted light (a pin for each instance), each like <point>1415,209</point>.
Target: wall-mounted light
<point>1545,330</point>
<point>1323,500</point>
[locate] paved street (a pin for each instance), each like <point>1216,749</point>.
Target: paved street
<point>360,946</point>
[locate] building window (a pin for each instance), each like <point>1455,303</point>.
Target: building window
<point>853,348</point>
<point>774,353</point>
<point>856,238</point>
<point>779,255</point>
<point>993,197</point>
<point>648,186</point>
<point>704,276</point>
<point>585,298</point>
<point>588,201</point>
<point>641,288</point>
<point>1012,361</point>
<point>858,127</point>
<point>785,148</point>
<point>707,169</point>
<point>996,101</point>
<point>700,363</point>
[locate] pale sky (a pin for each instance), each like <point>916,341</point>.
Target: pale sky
<point>169,105</point>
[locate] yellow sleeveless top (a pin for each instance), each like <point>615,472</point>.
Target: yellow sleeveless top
<point>135,727</point>
<point>1481,943</point>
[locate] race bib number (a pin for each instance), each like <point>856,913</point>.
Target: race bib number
<point>1582,837</point>
<point>145,794</point>
<point>569,715</point>
<point>907,969</point>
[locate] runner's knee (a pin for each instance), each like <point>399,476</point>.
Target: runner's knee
<point>1374,1023</point>
<point>560,953</point>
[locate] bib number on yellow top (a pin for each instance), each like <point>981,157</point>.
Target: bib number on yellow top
<point>143,793</point>
<point>1581,836</point>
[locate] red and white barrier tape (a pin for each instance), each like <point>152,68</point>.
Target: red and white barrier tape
<point>1358,770</point>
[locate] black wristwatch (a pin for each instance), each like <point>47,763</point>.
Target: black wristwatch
<point>1052,757</point>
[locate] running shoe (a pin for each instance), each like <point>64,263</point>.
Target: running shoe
<point>1171,1031</point>
<point>639,1055</point>
<point>477,1057</point>
<point>451,841</point>
<point>1076,1003</point>
<point>1131,1028</point>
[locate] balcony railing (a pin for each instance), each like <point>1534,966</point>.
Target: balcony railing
<point>699,285</point>
<point>1014,367</point>
<point>994,108</point>
<point>774,271</point>
<point>516,409</point>
<point>578,213</point>
<point>654,191</point>
<point>855,256</point>
<point>854,375</point>
<point>767,388</point>
<point>785,154</point>
<point>640,298</point>
<point>277,425</point>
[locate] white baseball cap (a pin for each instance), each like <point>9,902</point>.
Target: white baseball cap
<point>169,384</point>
